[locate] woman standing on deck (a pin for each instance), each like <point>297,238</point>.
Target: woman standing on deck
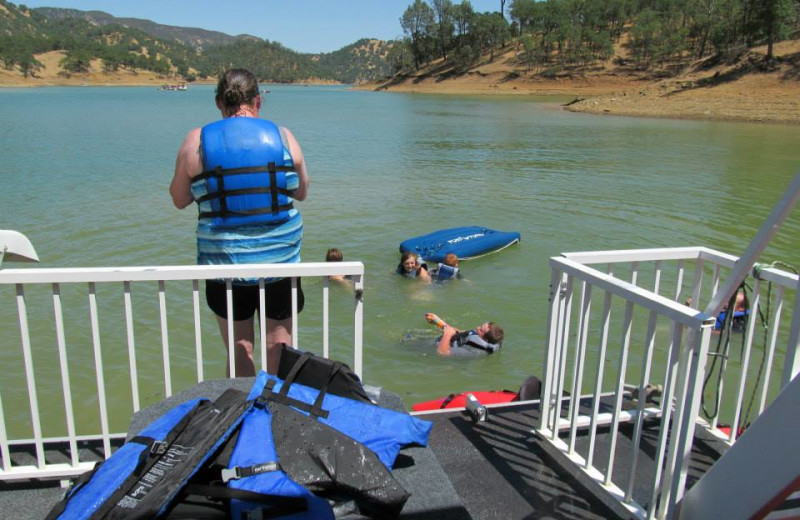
<point>245,173</point>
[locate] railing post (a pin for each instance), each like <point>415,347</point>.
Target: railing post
<point>358,333</point>
<point>326,282</point>
<point>791,366</point>
<point>94,319</point>
<point>580,355</point>
<point>565,315</point>
<point>550,352</point>
<point>698,341</point>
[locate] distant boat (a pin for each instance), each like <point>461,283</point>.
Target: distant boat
<point>177,86</point>
<point>265,91</point>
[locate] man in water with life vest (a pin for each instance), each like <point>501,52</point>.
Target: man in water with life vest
<point>485,339</point>
<point>245,173</point>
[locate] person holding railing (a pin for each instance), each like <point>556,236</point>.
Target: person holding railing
<point>245,174</point>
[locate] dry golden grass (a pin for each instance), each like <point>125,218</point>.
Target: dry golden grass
<point>743,90</point>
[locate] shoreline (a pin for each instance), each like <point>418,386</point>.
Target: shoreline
<point>764,98</point>
<point>767,97</point>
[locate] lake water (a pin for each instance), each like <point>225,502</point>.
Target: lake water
<point>85,174</point>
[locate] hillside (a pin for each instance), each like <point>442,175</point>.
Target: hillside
<point>739,88</point>
<point>51,46</point>
<point>192,36</point>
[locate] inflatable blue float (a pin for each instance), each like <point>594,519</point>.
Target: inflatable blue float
<point>466,242</point>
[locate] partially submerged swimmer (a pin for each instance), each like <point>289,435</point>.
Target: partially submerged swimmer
<point>411,267</point>
<point>335,255</point>
<point>447,270</point>
<point>741,311</point>
<point>485,339</point>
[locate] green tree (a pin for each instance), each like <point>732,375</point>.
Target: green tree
<point>773,21</point>
<point>400,56</point>
<point>76,60</point>
<point>463,16</point>
<point>443,13</point>
<point>418,23</point>
<point>525,13</point>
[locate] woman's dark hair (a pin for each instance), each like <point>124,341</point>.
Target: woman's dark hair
<point>236,87</point>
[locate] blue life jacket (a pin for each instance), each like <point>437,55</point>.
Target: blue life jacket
<point>247,174</point>
<point>145,475</point>
<point>446,272</point>
<point>254,467</point>
<point>148,476</point>
<point>279,450</point>
<point>739,320</point>
<point>382,430</point>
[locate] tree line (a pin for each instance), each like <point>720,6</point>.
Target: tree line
<point>580,32</point>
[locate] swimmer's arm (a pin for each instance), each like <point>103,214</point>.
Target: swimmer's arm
<point>423,274</point>
<point>187,165</point>
<point>443,347</point>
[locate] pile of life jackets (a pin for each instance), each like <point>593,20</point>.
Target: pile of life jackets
<point>285,450</point>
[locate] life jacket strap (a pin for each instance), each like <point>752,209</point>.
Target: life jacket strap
<point>244,191</point>
<point>314,410</point>
<point>222,194</point>
<point>155,448</point>
<point>212,214</point>
<point>237,472</point>
<point>280,505</point>
<point>216,172</point>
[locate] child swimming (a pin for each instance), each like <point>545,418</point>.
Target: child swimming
<point>410,267</point>
<point>485,339</point>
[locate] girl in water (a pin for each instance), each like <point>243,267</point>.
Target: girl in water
<point>410,267</point>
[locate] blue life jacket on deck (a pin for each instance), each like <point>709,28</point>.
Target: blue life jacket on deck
<point>226,450</point>
<point>254,467</point>
<point>279,450</point>
<point>382,430</point>
<point>446,272</point>
<point>145,476</point>
<point>246,174</point>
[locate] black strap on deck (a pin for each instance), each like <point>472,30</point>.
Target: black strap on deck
<point>315,410</point>
<point>281,505</point>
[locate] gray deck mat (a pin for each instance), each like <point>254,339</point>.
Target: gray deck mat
<point>502,470</point>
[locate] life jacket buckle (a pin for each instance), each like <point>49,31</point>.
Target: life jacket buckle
<point>158,448</point>
<point>234,473</point>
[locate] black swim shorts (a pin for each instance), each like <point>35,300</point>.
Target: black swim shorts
<point>278,297</point>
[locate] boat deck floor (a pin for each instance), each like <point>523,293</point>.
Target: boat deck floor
<point>497,469</point>
<point>501,469</point>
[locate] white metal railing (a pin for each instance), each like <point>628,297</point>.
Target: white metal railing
<point>47,336</point>
<point>653,312</point>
